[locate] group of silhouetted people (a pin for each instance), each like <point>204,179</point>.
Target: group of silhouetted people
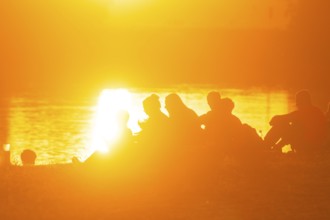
<point>218,133</point>
<point>181,126</point>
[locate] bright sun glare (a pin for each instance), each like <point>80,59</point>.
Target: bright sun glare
<point>106,127</point>
<point>120,4</point>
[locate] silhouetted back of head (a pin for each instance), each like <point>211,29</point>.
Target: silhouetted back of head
<point>173,103</point>
<point>151,105</point>
<point>303,99</point>
<point>227,105</point>
<point>213,99</point>
<point>28,157</point>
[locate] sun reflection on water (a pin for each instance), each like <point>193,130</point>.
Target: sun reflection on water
<point>106,127</point>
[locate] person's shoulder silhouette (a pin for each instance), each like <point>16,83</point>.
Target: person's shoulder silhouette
<point>304,129</point>
<point>211,118</point>
<point>184,122</point>
<point>227,107</point>
<point>156,125</point>
<point>178,111</point>
<point>152,108</point>
<point>214,100</point>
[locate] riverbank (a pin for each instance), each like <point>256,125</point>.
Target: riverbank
<point>285,189</point>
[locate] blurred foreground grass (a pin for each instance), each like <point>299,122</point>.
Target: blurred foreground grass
<point>283,189</point>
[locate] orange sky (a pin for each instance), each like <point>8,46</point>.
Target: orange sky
<point>60,42</point>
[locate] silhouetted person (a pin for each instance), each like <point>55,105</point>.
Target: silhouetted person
<point>211,120</point>
<point>28,157</point>
<point>241,141</point>
<point>220,124</point>
<point>212,124</point>
<point>154,128</point>
<point>231,121</point>
<point>228,129</point>
<point>184,122</point>
<point>304,129</point>
<point>214,100</point>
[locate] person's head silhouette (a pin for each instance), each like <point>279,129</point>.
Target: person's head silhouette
<point>213,99</point>
<point>303,99</point>
<point>28,157</point>
<point>227,105</point>
<point>173,104</point>
<point>151,105</point>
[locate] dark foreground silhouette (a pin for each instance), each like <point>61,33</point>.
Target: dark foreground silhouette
<point>286,189</point>
<point>185,141</point>
<point>304,129</point>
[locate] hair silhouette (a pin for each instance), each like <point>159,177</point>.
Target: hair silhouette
<point>184,122</point>
<point>151,105</point>
<point>214,99</point>
<point>154,128</point>
<point>28,157</point>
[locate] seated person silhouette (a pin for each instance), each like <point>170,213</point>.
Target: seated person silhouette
<point>184,122</point>
<point>210,120</point>
<point>220,119</point>
<point>232,121</point>
<point>28,157</point>
<point>154,128</point>
<point>214,102</point>
<point>229,126</point>
<point>304,129</point>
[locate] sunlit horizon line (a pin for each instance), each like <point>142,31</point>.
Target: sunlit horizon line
<point>120,6</point>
